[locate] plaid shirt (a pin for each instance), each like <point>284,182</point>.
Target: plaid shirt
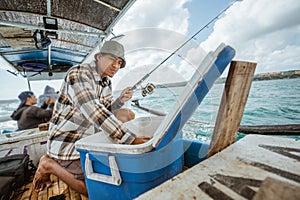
<point>82,109</point>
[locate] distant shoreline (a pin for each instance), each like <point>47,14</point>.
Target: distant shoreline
<point>277,75</point>
<point>271,76</point>
<point>258,77</point>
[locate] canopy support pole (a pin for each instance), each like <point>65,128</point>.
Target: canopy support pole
<point>28,83</point>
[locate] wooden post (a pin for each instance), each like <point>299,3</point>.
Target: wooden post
<point>232,105</point>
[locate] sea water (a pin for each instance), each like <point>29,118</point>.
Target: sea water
<point>269,103</point>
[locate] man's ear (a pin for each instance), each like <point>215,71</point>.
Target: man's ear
<point>98,56</point>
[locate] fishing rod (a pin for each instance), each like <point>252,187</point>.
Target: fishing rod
<point>174,52</point>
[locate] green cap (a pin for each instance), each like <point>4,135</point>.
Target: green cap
<point>114,48</point>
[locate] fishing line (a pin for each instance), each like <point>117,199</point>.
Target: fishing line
<point>174,52</point>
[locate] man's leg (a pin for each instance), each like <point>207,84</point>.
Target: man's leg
<point>49,166</point>
<point>124,115</point>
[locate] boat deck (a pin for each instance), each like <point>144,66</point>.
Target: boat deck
<point>256,167</point>
<point>58,188</point>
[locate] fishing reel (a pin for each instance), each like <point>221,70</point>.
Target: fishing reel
<point>148,89</point>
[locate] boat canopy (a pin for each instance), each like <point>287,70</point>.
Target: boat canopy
<point>42,39</point>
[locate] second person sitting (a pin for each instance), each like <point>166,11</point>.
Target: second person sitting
<point>30,116</point>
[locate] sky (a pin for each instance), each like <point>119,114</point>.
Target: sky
<point>263,31</point>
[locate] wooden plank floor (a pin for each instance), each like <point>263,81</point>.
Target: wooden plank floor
<point>58,187</point>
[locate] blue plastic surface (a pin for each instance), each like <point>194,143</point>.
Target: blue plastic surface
<point>200,92</point>
<point>195,152</point>
<point>139,172</point>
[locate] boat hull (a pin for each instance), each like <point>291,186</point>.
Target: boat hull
<point>31,141</point>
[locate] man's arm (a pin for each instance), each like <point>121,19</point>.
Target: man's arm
<point>82,92</point>
<point>125,95</point>
<point>39,112</point>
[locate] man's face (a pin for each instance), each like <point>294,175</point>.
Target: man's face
<point>32,100</point>
<point>108,64</point>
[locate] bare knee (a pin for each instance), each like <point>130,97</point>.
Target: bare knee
<point>124,115</point>
<point>131,115</point>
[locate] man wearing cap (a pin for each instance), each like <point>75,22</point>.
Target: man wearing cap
<point>49,92</point>
<point>85,107</point>
<point>30,116</point>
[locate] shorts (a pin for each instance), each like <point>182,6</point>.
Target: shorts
<point>72,166</point>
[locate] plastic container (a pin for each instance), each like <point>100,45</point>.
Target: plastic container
<point>114,172</point>
<point>194,152</point>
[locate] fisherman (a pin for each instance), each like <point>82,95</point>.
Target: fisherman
<point>85,107</point>
<point>30,116</point>
<point>48,93</point>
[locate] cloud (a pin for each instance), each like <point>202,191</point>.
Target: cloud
<point>166,14</point>
<point>149,48</point>
<point>261,31</point>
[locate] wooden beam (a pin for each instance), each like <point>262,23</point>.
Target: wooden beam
<point>282,129</point>
<point>232,105</point>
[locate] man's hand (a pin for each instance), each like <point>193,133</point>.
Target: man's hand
<point>126,94</point>
<point>141,139</point>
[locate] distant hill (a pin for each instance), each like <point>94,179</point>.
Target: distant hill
<point>271,76</point>
<point>277,75</point>
<point>258,77</point>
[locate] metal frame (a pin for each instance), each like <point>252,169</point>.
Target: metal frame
<point>11,58</point>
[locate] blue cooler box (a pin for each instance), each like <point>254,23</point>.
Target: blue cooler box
<point>116,171</point>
